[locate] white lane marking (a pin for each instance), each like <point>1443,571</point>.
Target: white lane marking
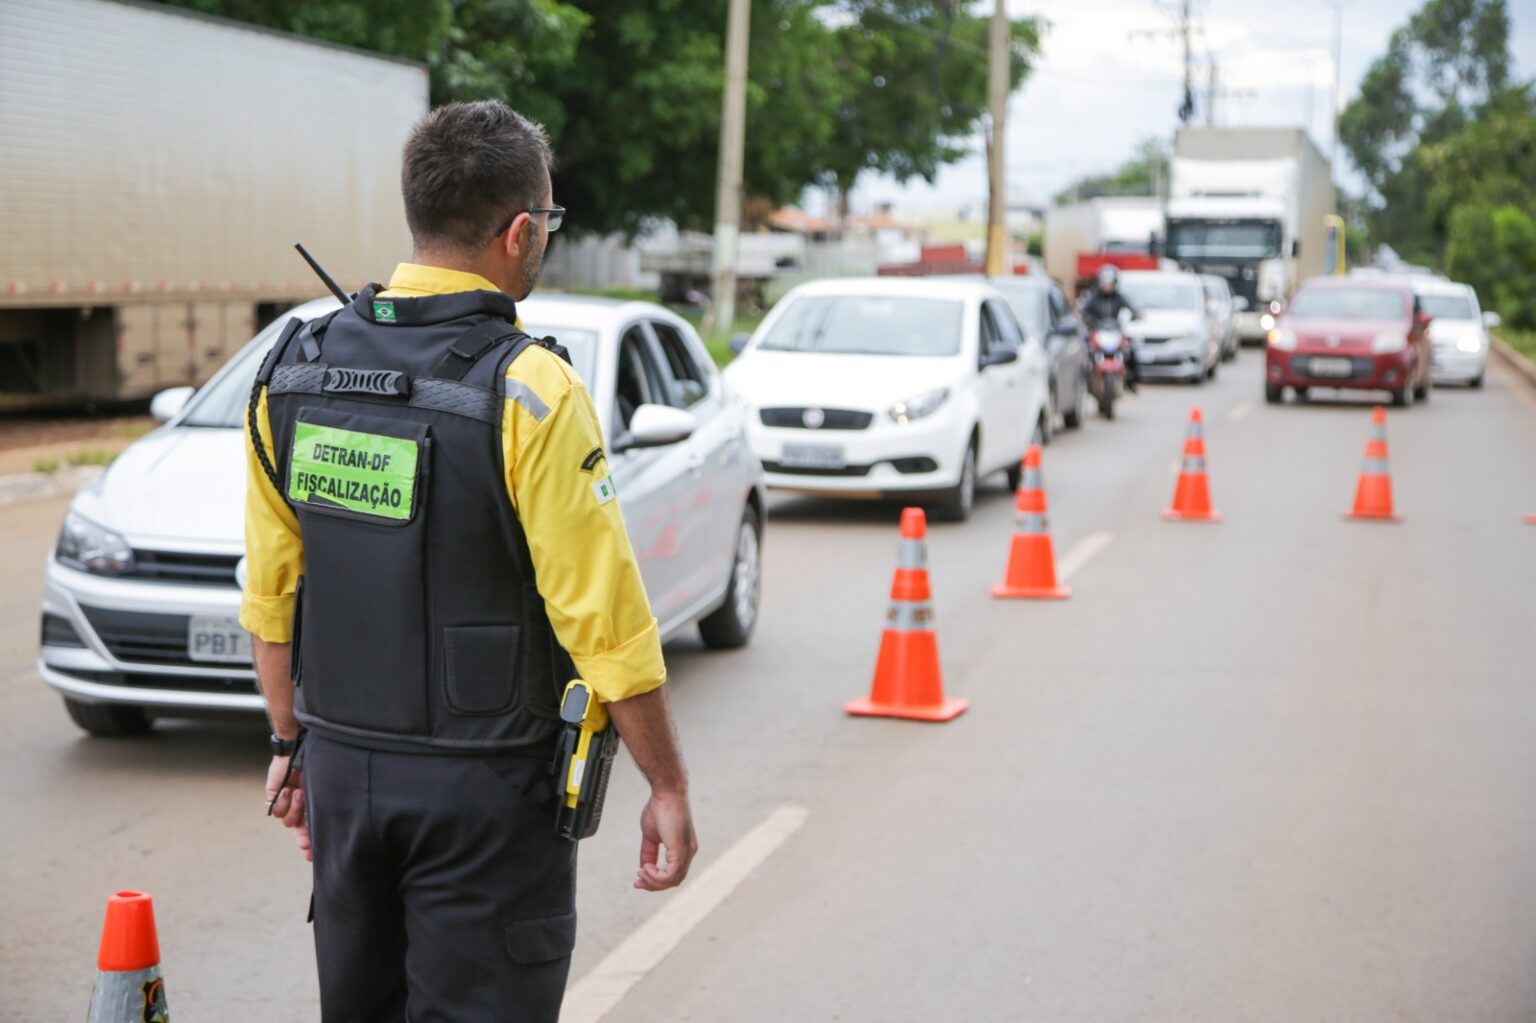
<point>1081,553</point>
<point>592,997</point>
<point>1240,410</point>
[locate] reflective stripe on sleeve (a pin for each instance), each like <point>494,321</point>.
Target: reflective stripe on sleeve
<point>523,394</point>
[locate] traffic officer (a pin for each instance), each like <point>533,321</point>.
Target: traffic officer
<point>433,550</point>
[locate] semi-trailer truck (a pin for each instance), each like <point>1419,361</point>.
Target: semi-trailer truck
<point>1254,206</point>
<point>156,167</point>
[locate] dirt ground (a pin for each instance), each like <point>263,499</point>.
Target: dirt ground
<point>27,440</point>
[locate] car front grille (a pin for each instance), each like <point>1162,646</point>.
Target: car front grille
<point>835,418</point>
<point>141,637</point>
<point>176,566</point>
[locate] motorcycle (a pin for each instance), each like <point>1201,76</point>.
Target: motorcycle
<point>1106,377</point>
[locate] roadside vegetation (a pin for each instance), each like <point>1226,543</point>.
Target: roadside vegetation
<point>1522,341</point>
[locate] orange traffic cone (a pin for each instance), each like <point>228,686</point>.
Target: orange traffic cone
<point>1031,559</point>
<point>907,678</point>
<point>1192,495</point>
<point>128,981</point>
<point>1373,494</point>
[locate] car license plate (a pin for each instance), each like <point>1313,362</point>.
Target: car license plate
<point>1330,367</point>
<point>219,640</point>
<point>812,456</point>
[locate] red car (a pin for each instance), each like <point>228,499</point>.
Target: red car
<point>1363,335</point>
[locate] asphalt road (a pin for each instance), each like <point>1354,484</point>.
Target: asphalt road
<point>1273,769</point>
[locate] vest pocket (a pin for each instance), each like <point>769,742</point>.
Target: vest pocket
<point>480,668</point>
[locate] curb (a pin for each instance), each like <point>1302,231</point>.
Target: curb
<point>39,486</point>
<point>1515,361</point>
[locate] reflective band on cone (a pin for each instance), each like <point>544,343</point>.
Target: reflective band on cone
<point>908,682</point>
<point>1373,492</point>
<point>1192,494</point>
<point>1031,571</point>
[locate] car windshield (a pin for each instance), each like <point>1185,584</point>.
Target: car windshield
<point>1028,305</point>
<point>1144,294</point>
<point>1252,240</point>
<point>867,325</point>
<point>222,401</point>
<point>1348,303</point>
<point>1447,307</point>
<point>579,341</point>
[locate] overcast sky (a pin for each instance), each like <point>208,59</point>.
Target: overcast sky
<point>1096,91</point>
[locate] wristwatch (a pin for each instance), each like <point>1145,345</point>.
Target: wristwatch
<point>282,747</point>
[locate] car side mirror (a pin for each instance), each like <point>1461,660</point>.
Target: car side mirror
<point>1239,303</point>
<point>655,426</point>
<point>165,405</point>
<point>1492,320</point>
<point>1001,357</point>
<point>739,343</point>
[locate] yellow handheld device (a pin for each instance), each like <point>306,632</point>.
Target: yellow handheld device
<point>587,745</point>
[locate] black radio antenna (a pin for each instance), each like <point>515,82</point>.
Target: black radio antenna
<point>325,278</point>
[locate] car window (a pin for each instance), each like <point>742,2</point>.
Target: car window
<point>580,342</point>
<point>867,325</point>
<point>989,340</point>
<point>222,401</point>
<point>635,384</point>
<point>1349,303</point>
<point>1058,306</point>
<point>1144,293</point>
<point>686,380</point>
<point>1447,307</point>
<point>1029,308</point>
<point>1006,326</point>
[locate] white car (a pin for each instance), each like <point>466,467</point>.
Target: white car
<point>892,386</point>
<point>141,597</point>
<point>1458,330</point>
<point>1174,335</point>
<point>1222,307</point>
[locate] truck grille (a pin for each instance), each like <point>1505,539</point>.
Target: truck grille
<point>834,418</point>
<point>141,637</point>
<point>176,566</point>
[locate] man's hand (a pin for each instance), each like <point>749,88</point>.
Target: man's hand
<point>287,801</point>
<point>665,821</point>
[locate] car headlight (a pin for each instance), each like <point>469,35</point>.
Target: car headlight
<point>925,404</point>
<point>85,545</point>
<point>1469,343</point>
<point>1283,339</point>
<point>1266,322</point>
<point>1389,341</point>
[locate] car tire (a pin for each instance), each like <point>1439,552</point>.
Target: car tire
<point>1476,381</point>
<point>1273,393</point>
<point>1228,354</point>
<point>1015,474</point>
<point>1303,394</point>
<point>109,720</point>
<point>956,504</point>
<point>1043,431</point>
<point>730,625</point>
<point>1422,392</point>
<point>1403,397</point>
<point>1072,418</point>
<point>1210,374</point>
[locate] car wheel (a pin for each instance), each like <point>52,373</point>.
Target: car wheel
<point>1273,393</point>
<point>1303,393</point>
<point>1072,418</point>
<point>1015,476</point>
<point>730,625</point>
<point>956,504</point>
<point>1476,381</point>
<point>1229,353</point>
<point>1403,397</point>
<point>1422,392</point>
<point>108,720</point>
<point>1210,374</point>
<point>1043,432</point>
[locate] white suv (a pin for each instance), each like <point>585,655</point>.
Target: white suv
<point>891,385</point>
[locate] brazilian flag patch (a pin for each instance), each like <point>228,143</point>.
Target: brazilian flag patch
<point>383,311</point>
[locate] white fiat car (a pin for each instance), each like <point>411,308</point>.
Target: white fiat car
<point>892,386</point>
<point>1458,330</point>
<point>141,598</point>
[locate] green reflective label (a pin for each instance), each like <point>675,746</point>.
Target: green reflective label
<point>361,472</point>
<point>384,312</point>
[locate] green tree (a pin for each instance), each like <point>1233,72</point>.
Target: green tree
<point>1493,248</point>
<point>1143,174</point>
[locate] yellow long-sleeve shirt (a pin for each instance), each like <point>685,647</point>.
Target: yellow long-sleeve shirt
<point>582,558</point>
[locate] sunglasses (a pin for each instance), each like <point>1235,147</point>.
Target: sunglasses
<point>556,217</point>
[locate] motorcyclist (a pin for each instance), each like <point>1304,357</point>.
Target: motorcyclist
<point>1104,302</point>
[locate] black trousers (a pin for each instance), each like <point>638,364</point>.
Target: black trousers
<point>441,890</point>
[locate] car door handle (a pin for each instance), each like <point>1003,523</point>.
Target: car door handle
<point>695,462</point>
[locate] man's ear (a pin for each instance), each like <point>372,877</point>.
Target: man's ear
<point>513,241</point>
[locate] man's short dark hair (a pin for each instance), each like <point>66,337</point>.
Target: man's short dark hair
<point>468,167</point>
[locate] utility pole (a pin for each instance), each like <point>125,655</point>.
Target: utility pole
<point>733,116</point>
<point>1211,76</point>
<point>1184,30</point>
<point>997,187</point>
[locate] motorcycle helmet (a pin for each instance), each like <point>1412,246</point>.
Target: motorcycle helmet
<point>1109,276</point>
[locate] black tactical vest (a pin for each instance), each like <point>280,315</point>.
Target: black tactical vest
<point>418,624</point>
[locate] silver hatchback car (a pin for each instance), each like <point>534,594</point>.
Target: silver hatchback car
<point>139,612</point>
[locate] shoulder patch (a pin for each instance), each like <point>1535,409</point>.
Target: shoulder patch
<point>593,457</point>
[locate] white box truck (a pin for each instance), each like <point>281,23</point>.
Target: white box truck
<point>1251,205</point>
<point>1081,237</point>
<point>156,167</point>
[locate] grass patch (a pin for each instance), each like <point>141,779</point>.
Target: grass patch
<point>1522,341</point>
<point>46,465</point>
<point>90,456</point>
<point>622,294</point>
<point>135,430</point>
